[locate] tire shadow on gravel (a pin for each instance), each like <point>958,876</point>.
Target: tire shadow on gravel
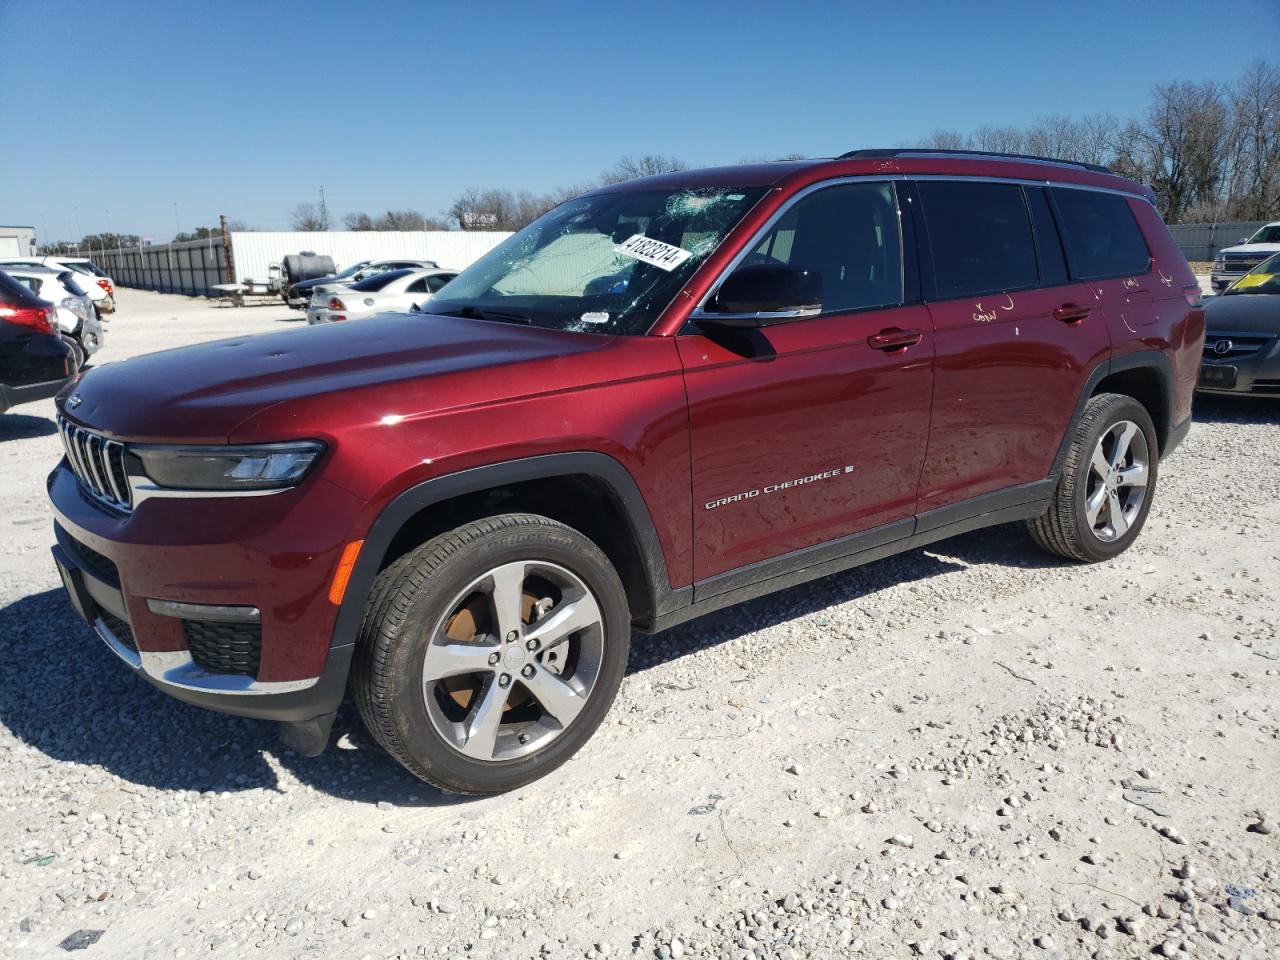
<point>1212,409</point>
<point>1006,545</point>
<point>62,692</point>
<point>19,426</point>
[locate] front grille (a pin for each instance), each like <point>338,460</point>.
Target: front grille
<point>1225,346</point>
<point>1266,386</point>
<point>1243,261</point>
<point>98,464</point>
<point>225,647</point>
<point>123,632</point>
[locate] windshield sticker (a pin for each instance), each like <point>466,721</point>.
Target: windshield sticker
<point>597,316</point>
<point>664,256</point>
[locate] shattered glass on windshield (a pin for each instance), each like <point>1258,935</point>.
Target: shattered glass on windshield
<point>606,263</point>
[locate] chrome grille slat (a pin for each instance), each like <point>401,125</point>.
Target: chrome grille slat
<point>98,464</point>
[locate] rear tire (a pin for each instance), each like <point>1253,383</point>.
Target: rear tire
<point>489,655</point>
<point>1107,483</point>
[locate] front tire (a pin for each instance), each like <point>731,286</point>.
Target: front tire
<point>489,655</point>
<point>1107,483</point>
<point>78,354</point>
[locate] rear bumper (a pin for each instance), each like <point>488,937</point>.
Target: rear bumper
<point>11,396</point>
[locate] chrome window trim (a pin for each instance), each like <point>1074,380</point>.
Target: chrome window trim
<point>699,311</point>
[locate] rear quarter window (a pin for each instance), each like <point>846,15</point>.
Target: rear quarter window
<point>1101,237</point>
<point>980,237</point>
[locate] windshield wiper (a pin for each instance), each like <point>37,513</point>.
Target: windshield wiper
<point>472,312</point>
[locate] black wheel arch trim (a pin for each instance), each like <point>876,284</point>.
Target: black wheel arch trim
<point>1140,359</point>
<point>599,466</point>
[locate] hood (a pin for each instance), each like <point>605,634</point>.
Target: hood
<point>1243,313</point>
<point>201,393</point>
<point>1255,248</point>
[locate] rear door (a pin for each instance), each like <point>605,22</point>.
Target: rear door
<point>1015,339</point>
<point>1106,250</point>
<point>809,431</point>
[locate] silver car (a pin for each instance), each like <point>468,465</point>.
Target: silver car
<point>390,292</point>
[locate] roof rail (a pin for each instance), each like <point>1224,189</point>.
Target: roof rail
<point>927,152</point>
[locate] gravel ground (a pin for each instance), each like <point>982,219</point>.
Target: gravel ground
<point>969,750</point>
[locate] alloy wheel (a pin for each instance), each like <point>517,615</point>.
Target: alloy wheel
<point>1117,480</point>
<point>513,661</point>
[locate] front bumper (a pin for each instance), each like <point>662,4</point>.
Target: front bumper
<point>1254,375</point>
<point>101,605</point>
<point>155,586</point>
<point>11,396</point>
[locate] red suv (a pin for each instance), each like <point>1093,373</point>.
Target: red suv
<point>660,399</point>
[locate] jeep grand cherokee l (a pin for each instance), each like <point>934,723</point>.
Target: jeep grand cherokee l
<point>659,399</point>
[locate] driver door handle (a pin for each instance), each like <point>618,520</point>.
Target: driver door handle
<point>894,339</point>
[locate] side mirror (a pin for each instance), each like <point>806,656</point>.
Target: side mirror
<point>1243,240</point>
<point>757,296</point>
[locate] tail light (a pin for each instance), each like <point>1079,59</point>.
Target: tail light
<point>1192,294</point>
<point>43,319</point>
<point>106,285</point>
<point>336,304</point>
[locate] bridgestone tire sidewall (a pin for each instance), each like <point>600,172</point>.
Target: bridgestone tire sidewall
<point>440,762</point>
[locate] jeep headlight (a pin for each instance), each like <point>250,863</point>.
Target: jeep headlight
<point>264,466</point>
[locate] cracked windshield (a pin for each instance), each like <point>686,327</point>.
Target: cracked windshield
<point>607,263</point>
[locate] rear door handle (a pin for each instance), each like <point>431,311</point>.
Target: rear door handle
<point>894,339</point>
<point>1071,313</point>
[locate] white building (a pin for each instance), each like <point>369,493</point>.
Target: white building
<point>17,241</point>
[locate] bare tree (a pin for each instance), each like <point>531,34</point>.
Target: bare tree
<point>648,165</point>
<point>309,217</point>
<point>1000,139</point>
<point>946,140</point>
<point>358,220</point>
<point>1253,179</point>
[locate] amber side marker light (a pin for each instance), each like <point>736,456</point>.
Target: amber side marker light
<point>342,575</point>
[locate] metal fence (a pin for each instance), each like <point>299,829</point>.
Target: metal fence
<point>193,268</point>
<point>1200,241</point>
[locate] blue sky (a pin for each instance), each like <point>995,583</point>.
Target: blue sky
<point>247,108</point>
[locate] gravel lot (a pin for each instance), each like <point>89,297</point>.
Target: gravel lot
<point>970,750</point>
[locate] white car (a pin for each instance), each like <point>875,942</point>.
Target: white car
<point>100,287</point>
<point>78,322</point>
<point>394,290</point>
<point>1233,263</point>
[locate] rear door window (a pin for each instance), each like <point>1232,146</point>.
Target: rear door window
<point>1101,236</point>
<point>981,238</point>
<point>438,280</point>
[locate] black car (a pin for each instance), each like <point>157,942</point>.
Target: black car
<point>34,362</point>
<point>1242,335</point>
